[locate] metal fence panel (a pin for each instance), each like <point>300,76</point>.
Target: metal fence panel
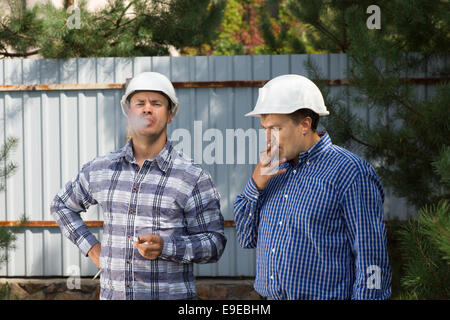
<point>60,130</point>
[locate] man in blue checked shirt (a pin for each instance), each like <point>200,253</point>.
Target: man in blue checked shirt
<point>317,219</point>
<point>161,211</point>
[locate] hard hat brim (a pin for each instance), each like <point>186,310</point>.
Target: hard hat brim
<point>259,113</point>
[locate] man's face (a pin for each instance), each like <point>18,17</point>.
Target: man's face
<point>149,112</point>
<point>291,139</point>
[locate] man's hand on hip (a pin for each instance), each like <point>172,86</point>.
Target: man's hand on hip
<point>94,254</point>
<point>149,246</point>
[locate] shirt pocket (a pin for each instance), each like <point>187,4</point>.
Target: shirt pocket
<point>314,204</point>
<point>162,220</point>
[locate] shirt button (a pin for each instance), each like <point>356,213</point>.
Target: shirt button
<point>129,236</point>
<point>307,163</point>
<point>285,196</point>
<point>273,250</point>
<point>128,285</point>
<point>128,262</point>
<point>280,223</point>
<point>249,214</point>
<point>271,277</point>
<point>131,212</point>
<point>295,171</point>
<point>134,189</point>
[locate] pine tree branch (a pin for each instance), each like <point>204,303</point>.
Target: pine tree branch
<point>107,34</point>
<point>428,262</point>
<point>330,35</point>
<point>20,55</point>
<point>122,14</point>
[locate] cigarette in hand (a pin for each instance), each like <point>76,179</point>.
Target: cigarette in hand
<point>98,273</point>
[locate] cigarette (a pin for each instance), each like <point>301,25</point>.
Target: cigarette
<point>98,273</point>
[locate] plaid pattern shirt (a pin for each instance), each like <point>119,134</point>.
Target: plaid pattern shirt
<point>169,196</point>
<point>318,228</point>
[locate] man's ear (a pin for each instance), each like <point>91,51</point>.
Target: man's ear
<point>170,116</point>
<point>305,125</point>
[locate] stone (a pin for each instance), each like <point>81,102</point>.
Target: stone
<point>32,287</point>
<point>240,291</point>
<point>219,292</point>
<point>17,292</point>
<point>89,287</point>
<point>254,295</point>
<point>203,291</point>
<point>52,288</point>
<point>39,295</point>
<point>70,295</point>
<point>96,294</point>
<point>56,288</point>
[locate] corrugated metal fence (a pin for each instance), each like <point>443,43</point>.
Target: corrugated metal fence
<point>61,127</point>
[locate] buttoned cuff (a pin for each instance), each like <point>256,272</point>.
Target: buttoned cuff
<point>86,242</point>
<point>169,249</point>
<point>251,192</point>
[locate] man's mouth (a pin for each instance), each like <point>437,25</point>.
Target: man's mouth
<point>149,121</point>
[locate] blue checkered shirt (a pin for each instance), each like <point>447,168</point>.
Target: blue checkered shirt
<point>318,228</point>
<point>169,196</point>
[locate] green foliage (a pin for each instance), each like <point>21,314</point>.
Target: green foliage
<point>9,168</point>
<point>6,243</point>
<point>230,39</point>
<point>396,258</point>
<point>325,23</point>
<point>442,165</point>
<point>5,292</point>
<point>406,132</point>
<point>426,245</point>
<point>134,28</point>
<point>7,236</point>
<point>280,35</point>
<point>257,27</point>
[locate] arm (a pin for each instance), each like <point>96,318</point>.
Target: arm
<point>205,240</point>
<point>363,213</point>
<point>247,204</point>
<point>246,216</point>
<point>74,198</point>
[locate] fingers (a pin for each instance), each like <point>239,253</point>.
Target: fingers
<point>271,169</point>
<point>149,246</point>
<point>281,171</point>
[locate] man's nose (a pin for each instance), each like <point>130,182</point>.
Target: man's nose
<point>148,108</point>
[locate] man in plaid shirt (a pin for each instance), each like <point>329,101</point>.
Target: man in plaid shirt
<point>161,211</point>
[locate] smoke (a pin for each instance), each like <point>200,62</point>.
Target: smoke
<point>135,123</point>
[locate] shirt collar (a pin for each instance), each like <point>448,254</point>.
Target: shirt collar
<point>318,148</point>
<point>163,159</point>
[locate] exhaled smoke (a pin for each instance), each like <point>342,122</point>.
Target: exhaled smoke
<point>136,123</point>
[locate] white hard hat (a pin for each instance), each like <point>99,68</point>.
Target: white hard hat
<point>150,81</point>
<point>288,93</point>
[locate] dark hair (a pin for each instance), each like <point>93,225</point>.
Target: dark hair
<point>301,114</point>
